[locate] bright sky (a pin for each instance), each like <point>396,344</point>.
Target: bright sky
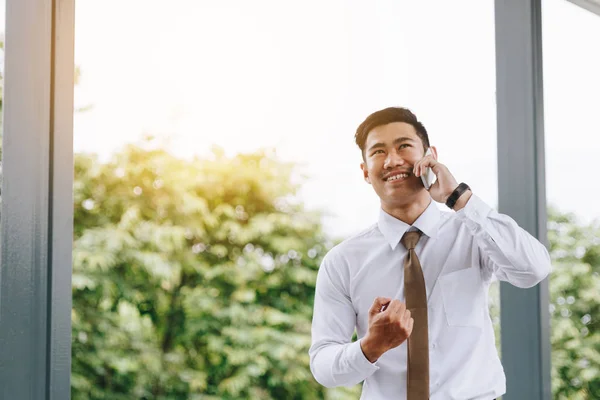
<point>300,76</point>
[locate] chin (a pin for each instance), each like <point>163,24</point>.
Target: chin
<point>401,194</point>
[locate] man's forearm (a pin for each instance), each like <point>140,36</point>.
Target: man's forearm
<point>507,250</point>
<point>340,365</point>
<point>370,349</point>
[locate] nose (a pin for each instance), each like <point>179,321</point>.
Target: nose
<point>392,160</point>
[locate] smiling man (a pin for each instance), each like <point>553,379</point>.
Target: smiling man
<point>414,285</point>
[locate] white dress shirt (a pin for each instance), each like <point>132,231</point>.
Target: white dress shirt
<point>460,253</point>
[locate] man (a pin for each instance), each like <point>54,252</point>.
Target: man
<point>414,285</point>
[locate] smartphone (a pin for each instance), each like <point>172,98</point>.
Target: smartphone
<point>428,177</point>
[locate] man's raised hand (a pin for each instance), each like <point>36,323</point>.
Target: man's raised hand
<point>390,324</point>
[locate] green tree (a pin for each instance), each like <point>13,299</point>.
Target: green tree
<point>192,279</point>
<point>575,307</point>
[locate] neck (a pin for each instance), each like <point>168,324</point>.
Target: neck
<point>410,209</point>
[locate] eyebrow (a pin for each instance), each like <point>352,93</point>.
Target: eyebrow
<point>397,141</point>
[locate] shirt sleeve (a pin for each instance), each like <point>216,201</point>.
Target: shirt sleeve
<point>334,359</point>
<point>507,251</point>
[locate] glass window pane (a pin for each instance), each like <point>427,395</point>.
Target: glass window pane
<point>572,84</point>
<point>177,238</point>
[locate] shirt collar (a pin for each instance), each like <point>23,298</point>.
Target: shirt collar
<point>393,229</point>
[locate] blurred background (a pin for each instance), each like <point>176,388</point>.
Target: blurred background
<point>216,165</point>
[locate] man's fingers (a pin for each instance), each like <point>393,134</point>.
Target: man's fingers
<point>427,161</point>
<point>397,307</point>
<point>401,307</point>
<point>409,326</point>
<point>378,304</point>
<point>417,167</point>
<point>406,317</point>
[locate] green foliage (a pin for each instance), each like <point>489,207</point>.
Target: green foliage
<point>575,307</point>
<point>192,279</point>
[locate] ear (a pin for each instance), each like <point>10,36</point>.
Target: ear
<point>365,173</point>
<point>434,152</point>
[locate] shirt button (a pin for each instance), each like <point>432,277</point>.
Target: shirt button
<point>433,345</point>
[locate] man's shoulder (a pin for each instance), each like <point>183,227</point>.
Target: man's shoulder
<point>357,241</point>
<point>361,237</point>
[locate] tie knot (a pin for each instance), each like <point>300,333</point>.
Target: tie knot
<point>410,239</point>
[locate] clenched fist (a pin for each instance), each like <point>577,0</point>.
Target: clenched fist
<point>390,324</point>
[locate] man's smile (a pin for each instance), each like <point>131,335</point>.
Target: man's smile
<point>397,176</point>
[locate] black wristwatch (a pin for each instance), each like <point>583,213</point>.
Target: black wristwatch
<point>451,202</point>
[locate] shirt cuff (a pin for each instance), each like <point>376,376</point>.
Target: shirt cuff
<point>357,358</point>
<point>475,213</point>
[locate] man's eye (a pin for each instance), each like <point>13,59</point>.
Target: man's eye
<point>402,146</point>
<point>377,152</point>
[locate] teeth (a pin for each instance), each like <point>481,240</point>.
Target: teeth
<point>393,178</point>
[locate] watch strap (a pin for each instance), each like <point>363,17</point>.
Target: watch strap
<point>453,198</point>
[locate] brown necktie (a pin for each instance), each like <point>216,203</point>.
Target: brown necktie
<point>416,301</point>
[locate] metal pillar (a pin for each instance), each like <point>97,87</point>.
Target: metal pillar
<point>522,191</point>
<point>37,201</point>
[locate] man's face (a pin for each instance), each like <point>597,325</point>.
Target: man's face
<point>391,152</point>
